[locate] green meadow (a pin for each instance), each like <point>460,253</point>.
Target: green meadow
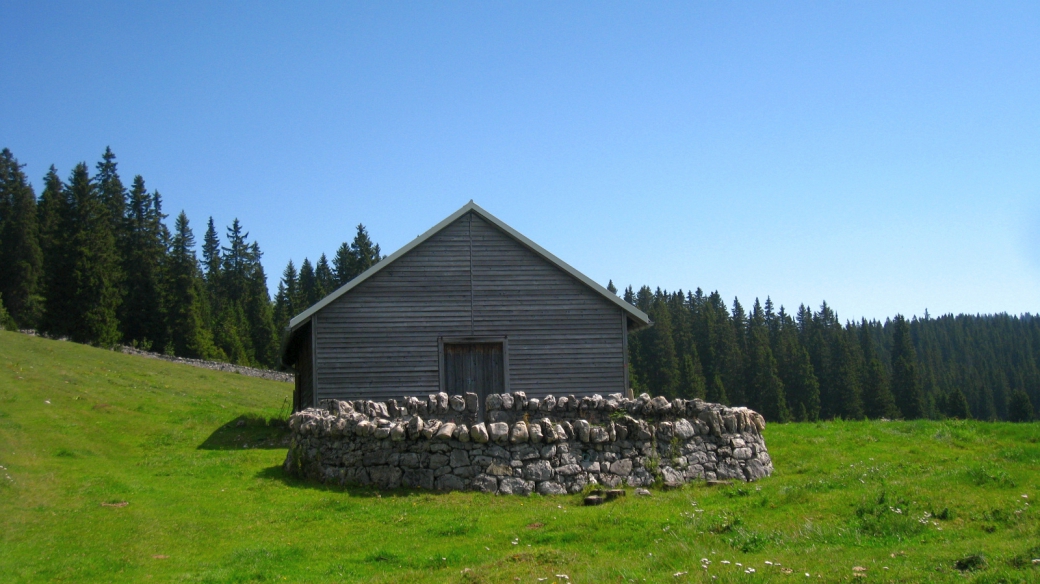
<point>116,468</point>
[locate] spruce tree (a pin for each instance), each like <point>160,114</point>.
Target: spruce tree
<point>878,401</point>
<point>658,362</point>
<point>796,372</point>
<point>21,261</point>
<point>1020,407</point>
<point>259,313</point>
<point>189,335</point>
<point>211,260</point>
<point>363,252</point>
<point>955,405</point>
<point>342,265</point>
<point>56,224</point>
<point>308,284</point>
<point>6,322</point>
<point>611,287</point>
<point>326,280</point>
<point>142,313</point>
<point>846,392</point>
<point>765,390</point>
<point>905,386</point>
<point>94,263</point>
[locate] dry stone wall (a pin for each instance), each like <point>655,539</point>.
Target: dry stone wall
<point>524,445</point>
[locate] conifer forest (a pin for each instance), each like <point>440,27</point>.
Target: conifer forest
<point>96,262</point>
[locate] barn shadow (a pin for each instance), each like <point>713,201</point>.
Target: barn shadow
<point>249,431</point>
<point>277,473</point>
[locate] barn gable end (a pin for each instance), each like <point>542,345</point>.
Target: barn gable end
<point>469,279</point>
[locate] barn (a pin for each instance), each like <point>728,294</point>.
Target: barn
<point>469,306</point>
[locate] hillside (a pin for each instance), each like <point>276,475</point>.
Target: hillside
<point>118,468</point>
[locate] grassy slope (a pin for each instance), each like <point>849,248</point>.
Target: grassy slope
<point>203,508</point>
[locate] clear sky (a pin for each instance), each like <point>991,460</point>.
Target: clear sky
<point>884,157</point>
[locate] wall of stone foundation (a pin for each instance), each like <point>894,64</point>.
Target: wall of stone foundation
<point>526,445</point>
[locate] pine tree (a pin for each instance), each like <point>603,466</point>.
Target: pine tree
<point>21,261</point>
<point>189,335</point>
<point>905,386</point>
<point>611,287</point>
<point>94,263</point>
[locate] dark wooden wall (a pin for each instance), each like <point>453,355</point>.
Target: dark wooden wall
<point>304,395</point>
<point>380,340</point>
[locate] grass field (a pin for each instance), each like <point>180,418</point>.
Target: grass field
<point>119,468</point>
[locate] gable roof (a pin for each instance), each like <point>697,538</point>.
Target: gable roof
<point>638,317</point>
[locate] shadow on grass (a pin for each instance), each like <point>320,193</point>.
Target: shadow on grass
<point>276,473</point>
<point>249,431</point>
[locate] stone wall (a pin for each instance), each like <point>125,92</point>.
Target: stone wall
<point>549,446</point>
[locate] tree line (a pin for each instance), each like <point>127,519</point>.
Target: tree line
<point>95,262</point>
<point>808,365</point>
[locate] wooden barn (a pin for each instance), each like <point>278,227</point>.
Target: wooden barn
<point>470,305</point>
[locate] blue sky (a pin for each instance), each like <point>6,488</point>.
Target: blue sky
<point>884,157</point>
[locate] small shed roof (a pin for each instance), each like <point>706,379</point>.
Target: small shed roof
<point>637,317</point>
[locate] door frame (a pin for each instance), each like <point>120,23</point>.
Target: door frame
<point>504,340</point>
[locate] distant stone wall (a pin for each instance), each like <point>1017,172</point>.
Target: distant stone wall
<point>549,446</point>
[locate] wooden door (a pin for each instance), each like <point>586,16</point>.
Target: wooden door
<point>474,367</point>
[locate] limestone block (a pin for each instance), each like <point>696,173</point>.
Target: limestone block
<point>568,470</point>
<point>479,434</point>
<point>583,430</point>
<point>450,482</point>
<point>398,432</point>
<point>438,460</point>
<point>472,402</point>
<point>493,402</point>
<point>457,403</point>
<point>547,404</point>
<point>484,483</point>
<point>381,433</point>
<point>499,432</point>
<point>431,428</point>
<point>598,435</point>
<point>507,401</point>
<point>445,431</point>
<point>519,433</point>
<point>499,470</point>
<point>622,467</point>
<point>461,433</point>
<point>551,488</point>
<point>515,486</point>
<point>458,458</point>
<point>539,470</point>
<point>535,433</point>
<point>671,477</point>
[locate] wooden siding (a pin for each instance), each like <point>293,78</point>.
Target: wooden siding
<point>304,395</point>
<point>380,340</point>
